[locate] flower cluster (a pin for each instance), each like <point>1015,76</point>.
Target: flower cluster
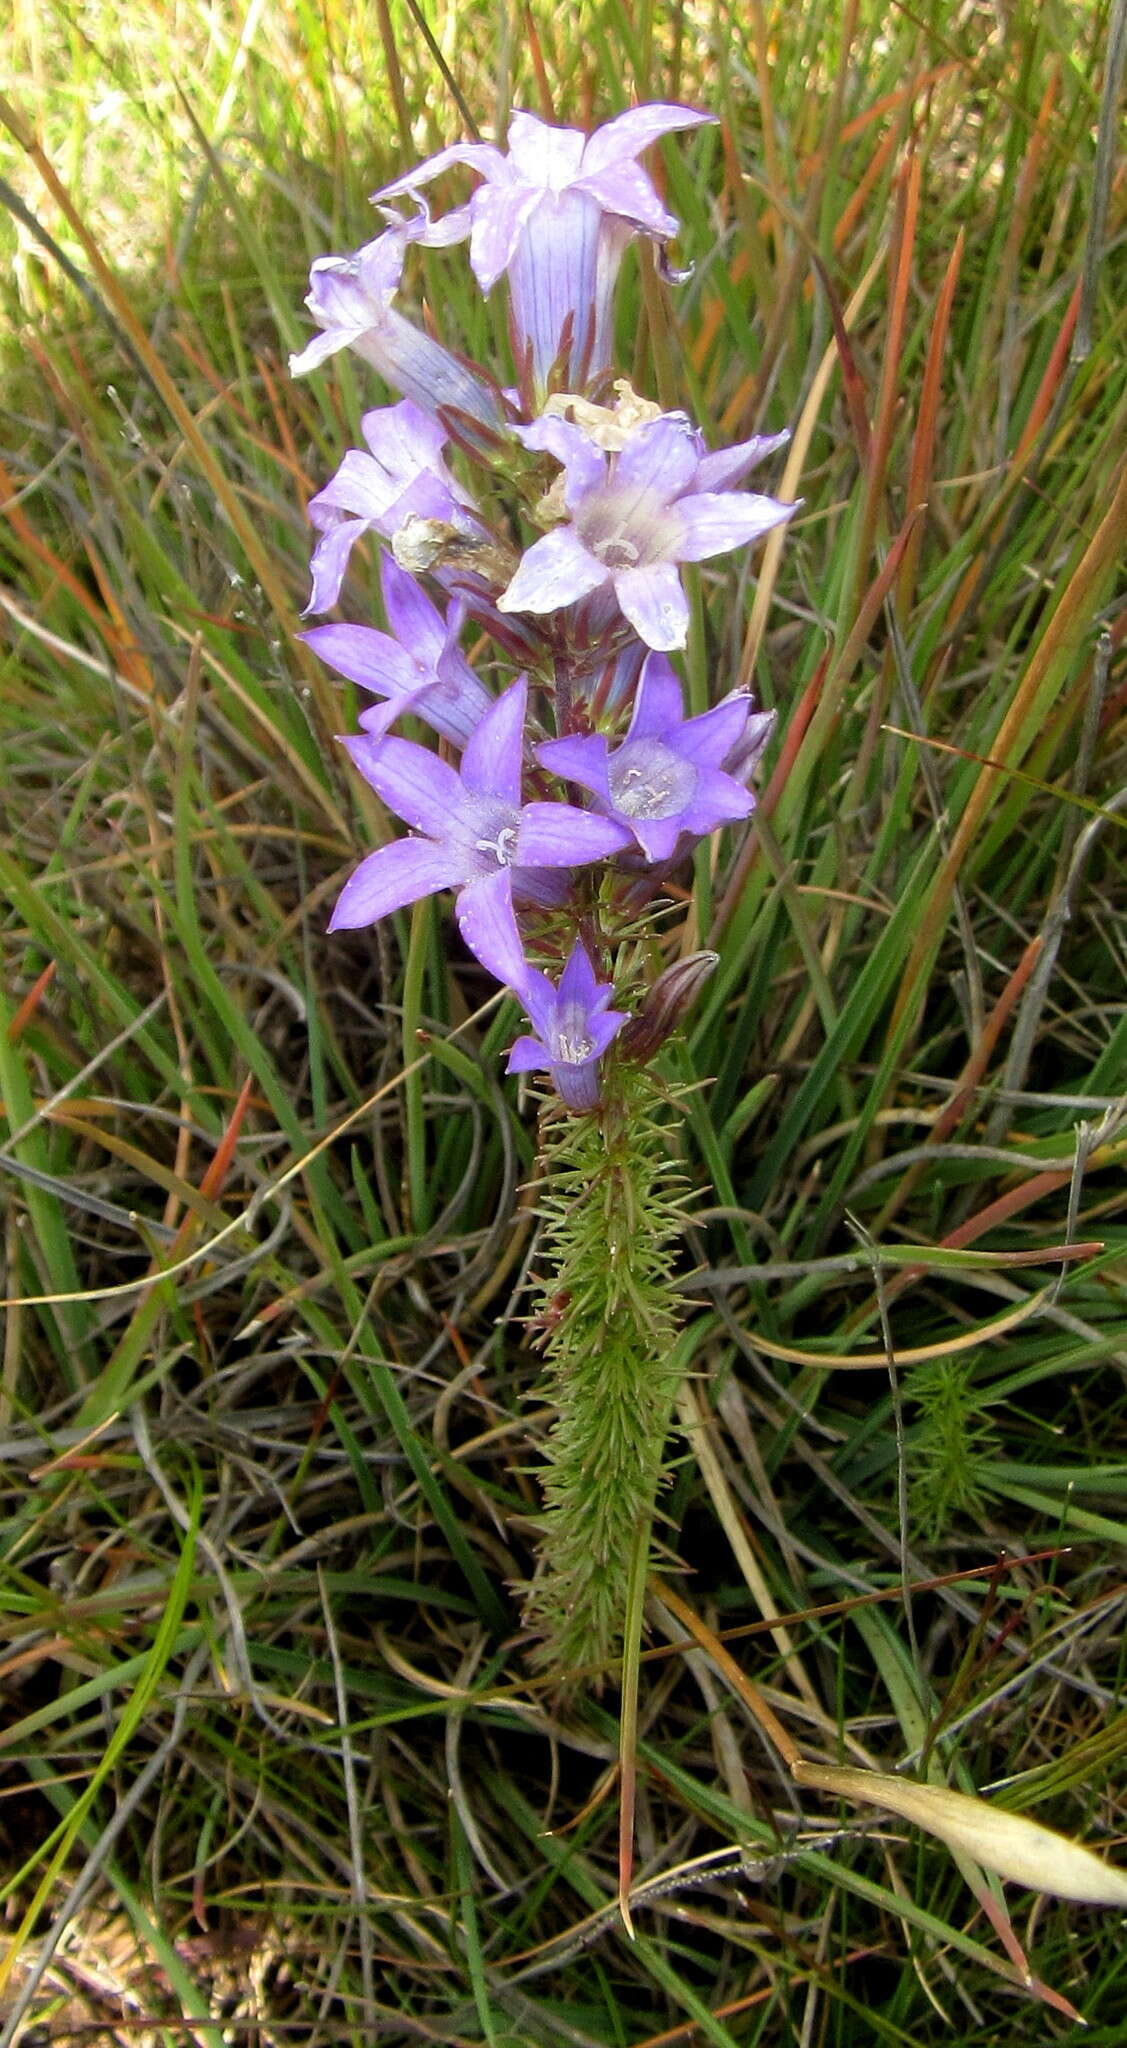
<point>555,804</point>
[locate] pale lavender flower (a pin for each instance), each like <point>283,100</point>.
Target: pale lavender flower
<point>478,837</point>
<point>417,667</point>
<point>573,1026</point>
<point>637,510</point>
<point>403,476</point>
<point>666,778</point>
<point>350,297</point>
<point>556,214</point>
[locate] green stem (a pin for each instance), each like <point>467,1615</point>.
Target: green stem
<point>633,1621</point>
<point>418,1183</point>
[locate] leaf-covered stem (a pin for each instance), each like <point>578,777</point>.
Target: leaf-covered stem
<point>612,1213</point>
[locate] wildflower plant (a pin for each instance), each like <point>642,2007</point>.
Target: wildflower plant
<point>566,784</point>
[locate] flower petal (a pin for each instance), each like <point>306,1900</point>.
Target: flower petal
<point>374,660</point>
<point>413,782</point>
<point>706,740</point>
<point>494,756</point>
<point>578,759</point>
<point>329,561</point>
<point>544,156</point>
<point>318,351</point>
<point>717,800</point>
<point>540,1000</point>
<point>429,233</point>
<point>390,878</point>
<point>716,522</point>
<point>354,291</point>
<point>407,443</point>
<point>660,457</point>
<point>577,1086</point>
<point>499,213</point>
<point>605,1024</point>
<point>659,704</point>
<point>349,296</point>
<point>725,466</point>
<point>654,603</point>
<point>557,570</point>
<point>625,192</point>
<point>527,1056</point>
<point>561,279</point>
<point>484,911</point>
<point>579,982</point>
<point>413,619</point>
<point>480,156</point>
<point>378,719</point>
<point>361,487</point>
<point>629,133</point>
<point>560,836</point>
<point>657,837</point>
<point>584,463</point>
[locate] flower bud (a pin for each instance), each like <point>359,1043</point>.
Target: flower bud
<point>744,758</point>
<point>671,997</point>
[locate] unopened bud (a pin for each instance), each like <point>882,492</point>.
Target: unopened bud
<point>482,440</point>
<point>743,759</point>
<point>671,997</point>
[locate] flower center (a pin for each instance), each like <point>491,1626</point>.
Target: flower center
<point>572,1042</point>
<point>488,830</point>
<point>617,552</point>
<point>502,847</point>
<point>648,780</point>
<point>574,1049</point>
<point>626,527</point>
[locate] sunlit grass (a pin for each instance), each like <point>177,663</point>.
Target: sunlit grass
<point>276,1757</point>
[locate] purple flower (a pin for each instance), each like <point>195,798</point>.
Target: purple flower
<point>417,667</point>
<point>478,838</point>
<point>404,476</point>
<point>556,213</point>
<point>573,1026</point>
<point>350,297</point>
<point>666,778</point>
<point>640,503</point>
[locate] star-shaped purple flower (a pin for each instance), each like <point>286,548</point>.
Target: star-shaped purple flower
<point>636,511</point>
<point>403,476</point>
<point>478,837</point>
<point>665,780</point>
<point>573,1027</point>
<point>556,213</point>
<point>350,297</point>
<point>417,667</point>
